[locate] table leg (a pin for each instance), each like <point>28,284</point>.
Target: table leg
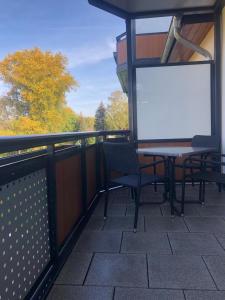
<point>172,184</point>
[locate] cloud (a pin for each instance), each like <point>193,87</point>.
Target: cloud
<point>89,54</point>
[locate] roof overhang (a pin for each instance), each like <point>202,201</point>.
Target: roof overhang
<point>138,8</point>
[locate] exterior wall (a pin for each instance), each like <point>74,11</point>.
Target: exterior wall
<point>223,82</point>
<point>207,43</point>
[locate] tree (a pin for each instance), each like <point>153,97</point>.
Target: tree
<point>38,83</point>
<point>100,117</point>
<point>86,123</point>
<point>117,111</point>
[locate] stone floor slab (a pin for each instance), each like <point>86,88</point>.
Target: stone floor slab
<point>204,295</point>
<point>128,270</point>
<point>147,294</point>
<point>75,269</point>
<point>60,292</point>
<point>145,210</point>
<point>189,210</point>
<point>123,223</point>
<point>95,223</point>
<point>99,241</point>
<point>195,244</point>
<point>154,243</point>
<point>113,210</point>
<point>212,211</point>
<point>216,266</point>
<point>165,224</point>
<point>178,272</point>
<point>205,224</point>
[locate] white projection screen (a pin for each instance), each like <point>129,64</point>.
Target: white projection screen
<point>173,102</point>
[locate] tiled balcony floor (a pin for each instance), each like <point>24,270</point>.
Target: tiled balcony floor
<point>167,259</point>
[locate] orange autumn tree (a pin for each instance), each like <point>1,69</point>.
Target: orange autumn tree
<point>38,82</point>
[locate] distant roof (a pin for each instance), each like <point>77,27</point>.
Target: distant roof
<point>124,8</point>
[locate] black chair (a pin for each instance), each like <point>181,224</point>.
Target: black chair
<point>122,158</point>
<point>210,171</point>
<point>200,141</point>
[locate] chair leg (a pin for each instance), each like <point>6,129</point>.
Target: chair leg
<point>203,193</point>
<point>200,192</point>
<point>165,196</point>
<point>192,180</point>
<point>137,203</point>
<point>106,203</point>
<point>219,187</point>
<point>132,193</point>
<point>183,196</point>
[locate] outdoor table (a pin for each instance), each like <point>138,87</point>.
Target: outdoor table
<point>171,154</point>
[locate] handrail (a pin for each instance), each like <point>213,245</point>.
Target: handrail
<point>20,142</point>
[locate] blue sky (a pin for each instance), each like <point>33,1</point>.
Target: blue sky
<point>85,34</point>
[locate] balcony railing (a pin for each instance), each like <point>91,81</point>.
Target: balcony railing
<point>46,197</point>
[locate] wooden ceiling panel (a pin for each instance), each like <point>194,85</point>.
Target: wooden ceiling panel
<point>193,32</point>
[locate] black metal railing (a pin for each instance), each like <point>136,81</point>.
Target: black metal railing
<point>46,196</point>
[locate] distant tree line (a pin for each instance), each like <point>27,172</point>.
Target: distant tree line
<point>114,115</point>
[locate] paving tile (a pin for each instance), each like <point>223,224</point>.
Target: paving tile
<point>211,211</point>
<point>147,294</point>
<point>156,243</point>
<point>221,238</point>
<point>75,269</point>
<point>60,292</point>
<point>95,223</point>
<point>189,210</point>
<point>165,224</point>
<point>205,224</point>
<point>128,270</point>
<point>145,210</point>
<point>216,266</point>
<point>123,223</point>
<point>99,241</point>
<point>215,199</point>
<point>113,210</point>
<point>179,272</point>
<point>195,244</point>
<point>204,295</point>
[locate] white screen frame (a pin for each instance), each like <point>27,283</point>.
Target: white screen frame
<point>184,130</point>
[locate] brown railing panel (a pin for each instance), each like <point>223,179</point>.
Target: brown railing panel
<point>69,195</point>
<point>91,173</point>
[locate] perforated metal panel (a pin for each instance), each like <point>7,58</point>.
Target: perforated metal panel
<point>24,234</point>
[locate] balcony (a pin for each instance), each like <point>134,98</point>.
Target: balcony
<point>52,229</point>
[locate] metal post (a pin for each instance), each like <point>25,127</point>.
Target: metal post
<point>84,174</point>
<point>52,202</point>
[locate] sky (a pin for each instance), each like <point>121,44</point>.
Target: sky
<point>85,34</point>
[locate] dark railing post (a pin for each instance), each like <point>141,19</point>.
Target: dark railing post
<point>52,202</point>
<point>84,174</point>
<point>98,163</point>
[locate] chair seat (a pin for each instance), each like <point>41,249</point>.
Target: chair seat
<point>132,180</point>
<point>210,176</point>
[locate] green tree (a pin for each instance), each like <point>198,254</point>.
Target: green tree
<point>100,117</point>
<point>117,111</point>
<point>38,84</point>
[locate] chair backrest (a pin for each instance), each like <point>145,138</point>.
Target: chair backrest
<point>205,141</point>
<point>121,157</point>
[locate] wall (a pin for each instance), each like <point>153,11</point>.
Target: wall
<point>207,43</point>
